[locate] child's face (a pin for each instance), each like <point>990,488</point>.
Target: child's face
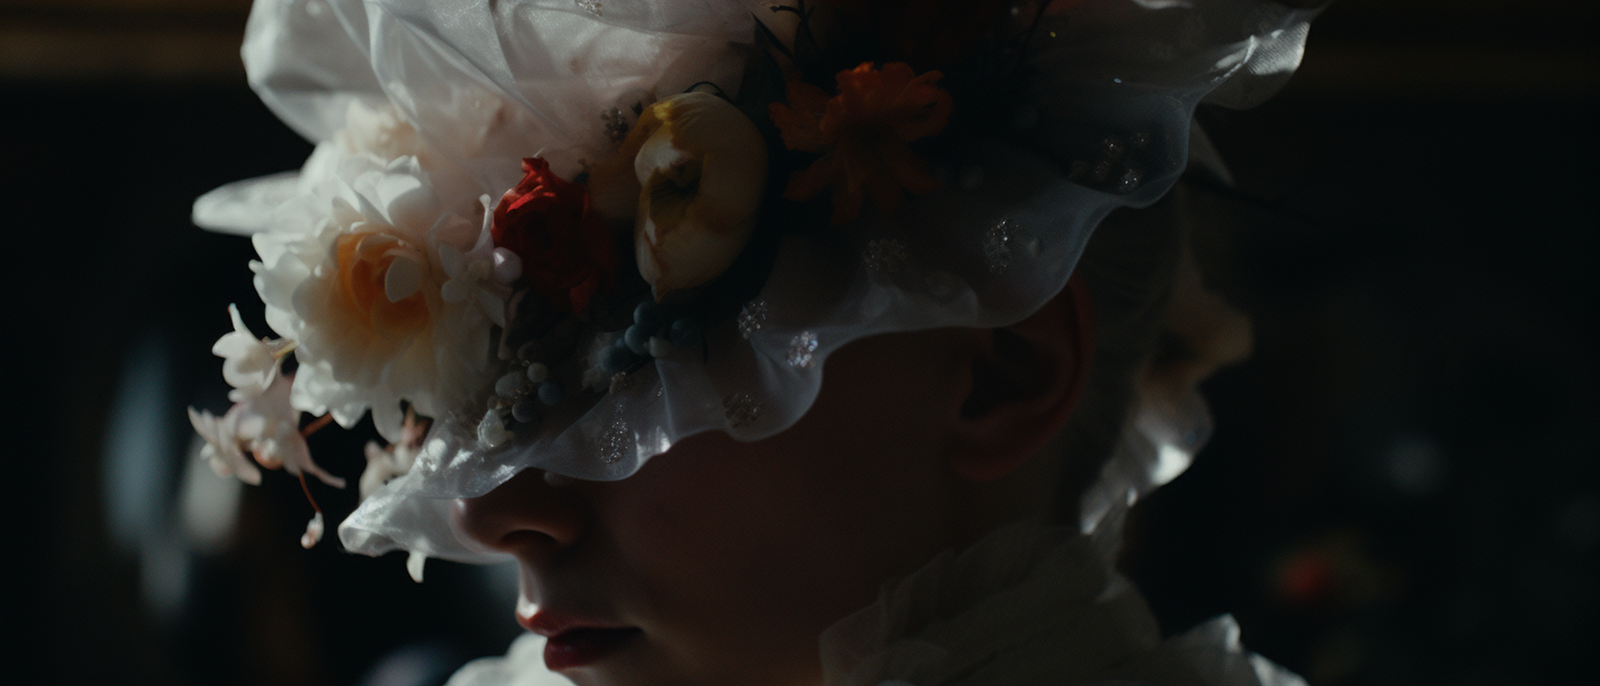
<point>721,561</point>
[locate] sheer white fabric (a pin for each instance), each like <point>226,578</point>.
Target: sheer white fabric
<point>485,84</point>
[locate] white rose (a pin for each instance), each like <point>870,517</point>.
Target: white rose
<point>352,273</point>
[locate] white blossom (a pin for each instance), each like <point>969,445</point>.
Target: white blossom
<point>224,450</point>
<point>264,426</point>
<point>354,274</point>
<point>481,275</point>
<point>249,364</point>
<point>313,534</point>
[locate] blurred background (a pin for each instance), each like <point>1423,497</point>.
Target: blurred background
<point>1402,488</point>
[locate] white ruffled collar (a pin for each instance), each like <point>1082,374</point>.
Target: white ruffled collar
<point>1029,604</point>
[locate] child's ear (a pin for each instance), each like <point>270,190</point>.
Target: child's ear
<point>1025,380</point>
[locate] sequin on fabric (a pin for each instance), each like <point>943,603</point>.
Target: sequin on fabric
<point>803,350</point>
<point>616,123</point>
<point>741,410</point>
<point>997,246</point>
<point>614,442</point>
<point>886,256</point>
<point>752,318</point>
<point>591,6</point>
<point>1115,166</point>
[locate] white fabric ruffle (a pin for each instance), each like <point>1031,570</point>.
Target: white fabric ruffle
<point>1029,605</point>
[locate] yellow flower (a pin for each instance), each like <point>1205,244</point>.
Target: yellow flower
<point>701,166</point>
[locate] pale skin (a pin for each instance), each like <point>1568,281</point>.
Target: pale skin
<point>732,558</point>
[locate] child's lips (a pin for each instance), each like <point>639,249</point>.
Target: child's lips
<point>575,641</point>
<point>583,646</point>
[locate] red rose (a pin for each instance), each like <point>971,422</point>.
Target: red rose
<point>567,253</point>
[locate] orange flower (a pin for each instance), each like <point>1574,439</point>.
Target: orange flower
<point>862,133</point>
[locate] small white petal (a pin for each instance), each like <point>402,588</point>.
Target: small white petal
<point>403,278</point>
<point>414,565</point>
<point>407,201</point>
<point>373,237</point>
<point>238,322</point>
<point>507,266</point>
<point>454,291</point>
<point>451,260</point>
<point>493,306</point>
<point>313,532</point>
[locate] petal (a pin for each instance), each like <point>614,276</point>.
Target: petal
<point>909,171</point>
<point>451,260</point>
<point>402,279</point>
<point>296,457</point>
<point>507,266</point>
<point>807,183</point>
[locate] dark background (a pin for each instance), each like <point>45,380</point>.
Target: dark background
<point>1402,488</point>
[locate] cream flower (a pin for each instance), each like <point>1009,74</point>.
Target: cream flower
<point>378,131</point>
<point>263,425</point>
<point>482,275</point>
<point>353,274</point>
<point>224,450</point>
<point>249,364</point>
<point>373,137</point>
<point>702,166</point>
<point>377,134</point>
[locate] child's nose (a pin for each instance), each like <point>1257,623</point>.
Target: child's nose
<point>525,516</point>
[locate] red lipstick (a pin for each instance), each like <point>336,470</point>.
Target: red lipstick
<point>579,647</point>
<point>572,642</point>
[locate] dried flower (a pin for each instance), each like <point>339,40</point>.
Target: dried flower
<point>264,426</point>
<point>863,134</point>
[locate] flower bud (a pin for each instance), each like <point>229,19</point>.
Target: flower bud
<point>702,168</point>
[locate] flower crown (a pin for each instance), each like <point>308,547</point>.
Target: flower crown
<point>540,254</point>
